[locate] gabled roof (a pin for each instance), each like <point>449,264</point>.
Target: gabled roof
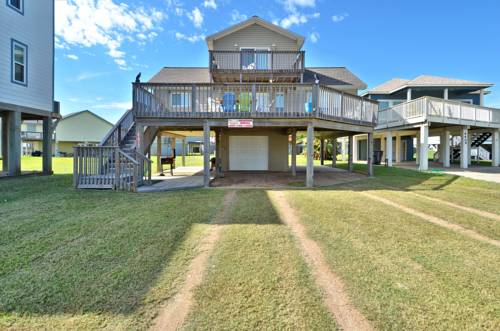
<point>334,76</point>
<point>397,84</point>
<point>182,75</point>
<point>84,111</point>
<point>339,77</point>
<point>254,20</point>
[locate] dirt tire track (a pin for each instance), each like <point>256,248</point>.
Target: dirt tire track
<point>435,220</point>
<point>336,299</point>
<point>174,311</point>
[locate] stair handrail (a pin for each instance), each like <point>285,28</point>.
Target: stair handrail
<point>119,130</point>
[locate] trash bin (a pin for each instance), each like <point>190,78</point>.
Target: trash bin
<point>377,157</point>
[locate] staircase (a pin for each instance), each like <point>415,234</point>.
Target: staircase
<point>477,140</point>
<point>115,163</point>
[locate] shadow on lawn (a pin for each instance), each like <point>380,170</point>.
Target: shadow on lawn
<point>72,251</point>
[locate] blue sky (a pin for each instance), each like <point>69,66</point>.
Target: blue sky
<point>101,45</point>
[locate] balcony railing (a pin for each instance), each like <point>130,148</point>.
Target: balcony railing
<point>251,101</point>
<point>259,61</point>
<point>438,110</point>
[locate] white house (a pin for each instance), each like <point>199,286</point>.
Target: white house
<point>26,76</point>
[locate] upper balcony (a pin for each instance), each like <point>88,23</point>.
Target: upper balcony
<point>265,101</point>
<point>440,112</point>
<point>254,65</point>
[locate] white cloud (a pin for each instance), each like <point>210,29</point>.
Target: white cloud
<point>89,75</point>
<point>196,17</point>
<point>193,38</point>
<point>295,19</point>
<point>88,23</point>
<point>210,4</point>
<point>340,17</point>
<point>314,36</point>
<point>72,57</point>
<point>237,17</point>
<point>291,5</point>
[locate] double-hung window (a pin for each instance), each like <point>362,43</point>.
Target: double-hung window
<point>19,56</point>
<point>17,5</point>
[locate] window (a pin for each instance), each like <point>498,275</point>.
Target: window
<point>19,58</point>
<point>17,5</point>
<point>280,101</point>
<point>181,99</point>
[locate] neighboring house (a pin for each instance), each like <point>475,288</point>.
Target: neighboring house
<point>79,129</point>
<point>31,137</point>
<point>254,94</point>
<point>26,77</point>
<point>444,112</point>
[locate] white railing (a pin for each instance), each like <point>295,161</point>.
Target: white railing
<point>438,110</point>
<point>251,100</point>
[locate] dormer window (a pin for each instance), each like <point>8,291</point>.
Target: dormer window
<point>17,5</point>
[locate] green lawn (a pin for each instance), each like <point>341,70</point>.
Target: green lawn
<point>74,259</point>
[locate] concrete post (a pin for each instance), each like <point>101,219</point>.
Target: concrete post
<point>183,152</point>
<point>446,149</point>
<point>445,94</point>
<point>310,156</point>
<point>424,148</point>
<point>47,146</point>
<point>370,154</point>
<point>469,154</point>
<point>350,165</point>
<point>5,143</point>
<point>408,95</point>
<point>417,149</point>
<point>322,151</point>
<point>206,154</point>
<point>294,152</point>
<point>158,153</point>
<point>464,148</point>
<point>334,152</point>
<point>354,149</point>
<point>495,148</point>
<point>398,148</point>
<point>14,143</point>
<point>388,148</point>
<point>344,149</point>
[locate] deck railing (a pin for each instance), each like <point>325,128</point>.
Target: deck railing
<point>251,101</point>
<point>438,110</point>
<point>119,130</point>
<point>256,61</point>
<point>109,167</point>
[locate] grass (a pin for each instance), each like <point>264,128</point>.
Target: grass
<point>251,283</point>
<point>107,260</point>
<point>402,272</point>
<point>93,259</point>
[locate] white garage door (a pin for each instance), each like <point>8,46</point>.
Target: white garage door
<point>248,152</point>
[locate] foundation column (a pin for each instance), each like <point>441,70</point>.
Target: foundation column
<point>206,154</point>
<point>158,153</point>
<point>310,156</point>
<point>370,154</point>
<point>218,168</point>
<point>446,149</point>
<point>495,148</point>
<point>344,149</point>
<point>5,140</point>
<point>183,152</point>
<point>424,148</point>
<point>417,149</point>
<point>354,148</point>
<point>294,152</point>
<point>398,148</point>
<point>464,148</point>
<point>334,152</point>
<point>322,151</point>
<point>350,153</point>
<point>14,143</point>
<point>388,148</point>
<point>47,146</point>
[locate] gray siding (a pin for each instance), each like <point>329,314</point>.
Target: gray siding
<point>255,36</point>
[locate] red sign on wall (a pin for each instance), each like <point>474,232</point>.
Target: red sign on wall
<point>240,123</point>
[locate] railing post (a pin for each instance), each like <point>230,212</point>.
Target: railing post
<point>116,184</point>
<point>315,97</point>
<point>254,98</point>
<point>342,105</point>
<point>75,166</point>
<point>193,98</point>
